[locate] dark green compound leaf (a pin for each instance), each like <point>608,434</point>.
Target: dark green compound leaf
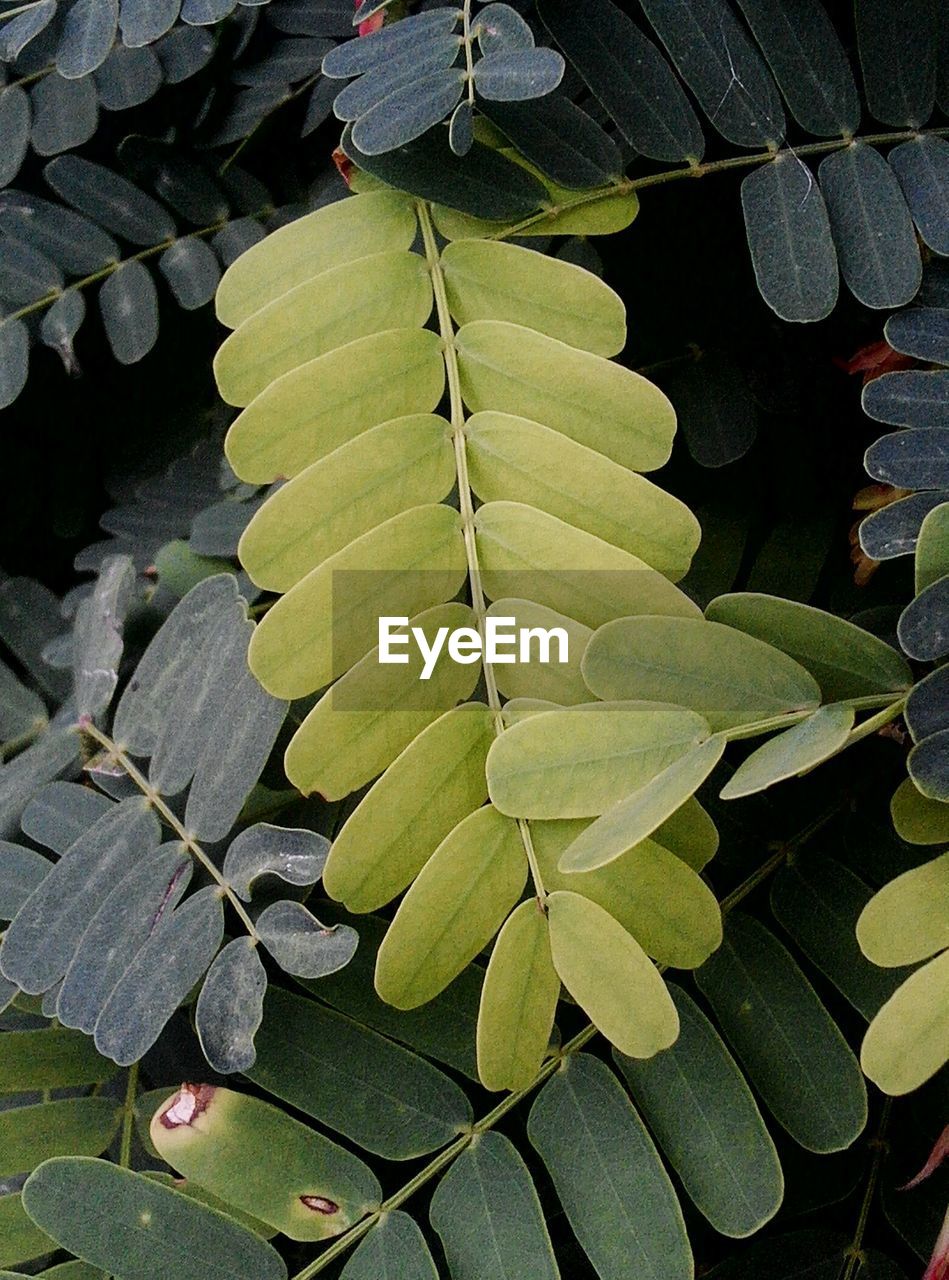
<point>922,166</point>
<point>65,114</point>
<point>809,63</point>
<point>231,1006</point>
<point>21,870</point>
<point>911,459</point>
<point>482,183</point>
<point>894,529</point>
<point>876,244</point>
<point>560,140</point>
<point>138,1229</point>
<point>935,287</point>
<point>109,200</point>
<point>803,1255</point>
<point>375,50</point>
<point>927,707</point>
<point>69,1126</point>
<point>192,272</point>
<point>128,304</point>
<point>139,906</point>
<point>923,628</point>
<point>714,407</point>
<point>909,399</point>
<point>929,764</point>
<point>30,617</point>
<point>56,752</point>
<point>704,1117</point>
<point>52,1058</point>
<point>143,21</point>
<point>921,332</point>
<point>59,814</point>
<point>897,43</point>
<point>395,1246</point>
<point>722,68</point>
<point>86,36</point>
<point>608,1175</point>
<point>158,979</point>
<point>488,1217</point>
<point>296,855</point>
<point>395,75</point>
<point>817,901</point>
<point>206,12</point>
<point>629,77</point>
<point>300,944</point>
<point>784,1037</point>
<point>127,78</point>
<point>73,242</point>
<point>43,937</point>
<point>14,359</point>
<point>517,75</point>
<point>61,323</point>
<point>15,119</point>
<point>352,1079</point>
<point>789,236</point>
<point>406,114</point>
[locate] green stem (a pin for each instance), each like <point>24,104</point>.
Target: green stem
<point>465,499</point>
<point>128,1118</point>
<point>156,801</point>
<point>879,1145</point>
<point>865,703</point>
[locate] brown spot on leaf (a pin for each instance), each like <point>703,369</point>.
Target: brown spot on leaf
<point>319,1204</point>
<point>191,1101</point>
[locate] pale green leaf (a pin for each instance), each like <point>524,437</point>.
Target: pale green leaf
<point>908,920</point>
<point>516,459</point>
<point>932,548</point>
<point>690,834</point>
<point>908,1040</point>
<point>314,409</point>
<point>491,280</point>
<point>426,791</point>
<point>330,619</point>
<point>577,762</point>
<point>553,680</point>
<point>339,233</point>
<point>594,401</point>
<point>453,910</point>
<point>727,676</point>
<point>383,472</point>
<point>792,752</point>
<point>351,300</point>
<point>371,715</point>
<point>518,1001</point>
<point>637,815</point>
<point>917,819</point>
<point>610,976</point>
<point>256,1157</point>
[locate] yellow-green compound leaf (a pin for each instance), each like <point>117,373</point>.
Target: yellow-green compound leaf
<point>130,1225</point>
<point>339,233</point>
<point>398,465</point>
<point>393,1248</point>
<point>518,1001</point>
<point>69,1126</point>
<point>636,816</point>
<point>669,910</point>
<point>610,976</point>
<point>908,920</point>
<point>383,291</point>
<point>50,1058</point>
<point>20,1237</point>
<point>593,401</point>
<point>425,792</point>
<point>514,458</point>
<point>727,676</point>
<point>314,409</point>
<point>258,1158</point>
<point>577,762</point>
<point>932,548</point>
<point>908,1040</point>
<point>705,1118</point>
<point>690,834</point>
<point>845,660</point>
<point>453,910</point>
<point>793,1052</point>
<point>552,680</point>
<point>490,280</point>
<point>526,552</point>
<point>371,715</point>
<point>330,619</point>
<point>917,819</point>
<point>608,1175</point>
<point>489,1218</point>
<point>793,751</point>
